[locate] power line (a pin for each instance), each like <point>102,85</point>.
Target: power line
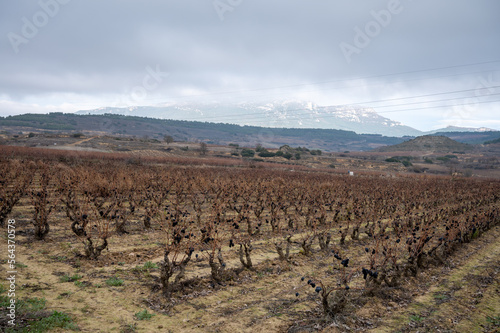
<point>434,101</point>
<point>440,106</point>
<point>343,80</point>
<point>340,81</point>
<point>405,110</point>
<point>294,116</point>
<point>370,84</point>
<point>239,116</point>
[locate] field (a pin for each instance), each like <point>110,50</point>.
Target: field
<point>108,242</point>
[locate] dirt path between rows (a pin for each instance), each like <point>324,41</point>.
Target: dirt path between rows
<point>81,141</point>
<point>464,296</point>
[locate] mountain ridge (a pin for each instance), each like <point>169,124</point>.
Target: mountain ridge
<point>194,131</point>
<point>215,133</point>
<point>429,143</point>
<point>281,114</point>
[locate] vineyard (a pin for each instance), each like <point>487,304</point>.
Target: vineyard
<point>127,245</point>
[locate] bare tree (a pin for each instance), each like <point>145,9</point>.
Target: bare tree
<point>203,148</point>
<point>168,139</point>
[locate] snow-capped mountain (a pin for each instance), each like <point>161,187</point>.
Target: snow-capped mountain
<point>460,129</point>
<point>282,114</point>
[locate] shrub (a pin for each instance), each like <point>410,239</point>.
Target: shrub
<point>416,318</point>
<point>55,320</point>
<point>150,265</point>
<point>203,148</point>
<point>31,317</point>
<point>392,160</point>
<point>80,284</point>
<point>143,315</point>
<point>316,152</point>
<point>168,139</point>
<point>87,225</point>
<point>67,278</point>
<point>42,204</point>
<point>266,153</point>
<point>406,163</point>
<point>247,153</point>
<point>495,321</point>
<point>31,304</point>
<point>114,282</point>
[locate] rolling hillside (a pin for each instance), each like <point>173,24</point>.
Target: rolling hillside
<point>215,133</point>
<point>219,133</point>
<point>276,114</point>
<point>429,143</point>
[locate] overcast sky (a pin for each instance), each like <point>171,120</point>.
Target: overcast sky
<point>426,63</point>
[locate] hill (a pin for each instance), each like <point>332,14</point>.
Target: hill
<point>278,114</point>
<point>213,133</point>
<point>460,129</point>
<point>490,142</point>
<point>470,137</point>
<point>429,143</point>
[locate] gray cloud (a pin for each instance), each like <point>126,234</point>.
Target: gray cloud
<point>100,49</point>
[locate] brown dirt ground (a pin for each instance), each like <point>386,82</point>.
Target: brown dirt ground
<point>457,297</point>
